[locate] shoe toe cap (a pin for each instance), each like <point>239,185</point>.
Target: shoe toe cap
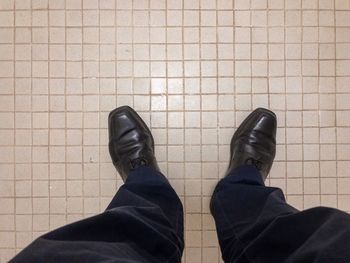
<point>123,119</point>
<point>267,124</point>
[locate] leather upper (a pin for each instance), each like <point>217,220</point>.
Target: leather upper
<point>254,142</point>
<point>130,141</point>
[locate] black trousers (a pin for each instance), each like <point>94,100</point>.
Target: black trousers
<point>144,223</point>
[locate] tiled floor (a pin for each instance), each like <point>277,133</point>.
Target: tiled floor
<point>193,69</point>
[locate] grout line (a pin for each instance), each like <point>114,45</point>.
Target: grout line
<point>251,53</point>
<point>150,75</point>
<point>302,107</point>
<point>14,127</point>
<point>132,10</point>
<point>335,98</point>
<point>184,125</point>
<point>201,125</point>
<point>82,214</point>
<point>268,70</point>
<point>83,167</point>
<point>117,177</point>
<point>166,166</point>
<point>65,115</point>
<point>233,81</point>
<point>268,57</point>
<point>99,105</point>
<point>31,120</point>
<point>49,124</point>
<point>201,131</point>
<point>318,95</point>
<point>285,107</point>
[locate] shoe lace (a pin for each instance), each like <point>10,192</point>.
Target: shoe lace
<point>140,161</point>
<point>256,163</point>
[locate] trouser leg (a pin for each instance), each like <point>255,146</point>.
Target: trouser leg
<point>148,188</point>
<point>255,224</point>
<point>143,222</point>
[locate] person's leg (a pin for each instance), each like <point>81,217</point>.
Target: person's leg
<point>234,208</point>
<point>143,222</point>
<point>242,208</point>
<point>254,222</point>
<point>131,146</point>
<point>145,188</point>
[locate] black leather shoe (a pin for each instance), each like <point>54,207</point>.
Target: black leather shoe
<point>254,142</point>
<point>131,143</point>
